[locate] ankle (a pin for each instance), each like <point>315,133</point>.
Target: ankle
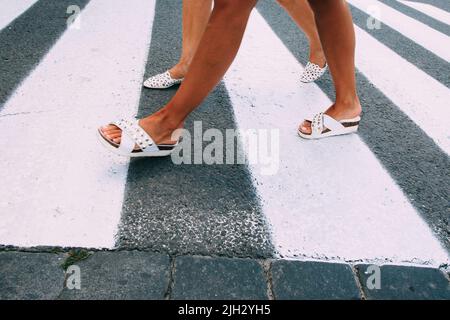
<point>348,106</point>
<point>179,70</point>
<point>319,60</point>
<point>317,55</point>
<point>164,120</point>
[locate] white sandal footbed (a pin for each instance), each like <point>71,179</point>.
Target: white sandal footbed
<point>135,142</point>
<point>161,81</point>
<point>324,126</point>
<point>312,72</point>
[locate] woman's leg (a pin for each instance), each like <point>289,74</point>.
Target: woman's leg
<point>196,15</point>
<point>335,26</point>
<point>302,14</point>
<point>216,52</point>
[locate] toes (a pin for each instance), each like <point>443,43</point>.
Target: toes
<point>115,135</point>
<point>305,130</point>
<point>108,128</point>
<point>305,127</point>
<point>111,133</point>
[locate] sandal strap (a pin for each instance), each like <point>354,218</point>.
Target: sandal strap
<point>137,135</point>
<point>127,144</point>
<point>321,121</point>
<point>317,125</point>
<point>331,123</point>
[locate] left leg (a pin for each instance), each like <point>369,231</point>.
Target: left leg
<point>195,18</point>
<point>302,14</point>
<point>217,50</point>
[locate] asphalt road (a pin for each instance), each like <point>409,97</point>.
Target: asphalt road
<point>381,195</point>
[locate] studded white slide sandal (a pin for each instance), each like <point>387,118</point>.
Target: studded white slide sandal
<point>324,126</point>
<point>161,81</point>
<point>135,142</point>
<point>312,72</point>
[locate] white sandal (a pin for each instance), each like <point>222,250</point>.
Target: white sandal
<point>135,142</point>
<point>161,81</point>
<point>324,126</point>
<point>312,72</point>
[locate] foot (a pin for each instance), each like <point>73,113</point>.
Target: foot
<point>179,70</point>
<point>318,57</point>
<point>315,68</point>
<point>338,112</point>
<point>167,79</point>
<point>155,126</point>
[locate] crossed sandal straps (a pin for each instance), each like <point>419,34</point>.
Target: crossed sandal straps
<point>135,142</point>
<point>324,126</point>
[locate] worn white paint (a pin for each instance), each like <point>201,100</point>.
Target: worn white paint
<point>427,37</point>
<point>11,9</point>
<point>58,186</point>
<point>430,10</point>
<point>424,99</point>
<point>330,198</point>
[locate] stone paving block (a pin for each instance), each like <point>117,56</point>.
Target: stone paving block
<point>30,276</point>
<point>305,280</point>
<point>406,283</point>
<point>122,275</point>
<point>199,278</point>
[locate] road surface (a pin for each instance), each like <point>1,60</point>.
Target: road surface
<point>381,195</point>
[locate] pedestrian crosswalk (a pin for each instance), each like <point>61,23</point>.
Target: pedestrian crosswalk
<point>312,202</point>
<point>406,86</point>
<point>11,9</point>
<point>59,193</point>
<point>382,195</point>
<point>430,10</point>
<point>427,37</point>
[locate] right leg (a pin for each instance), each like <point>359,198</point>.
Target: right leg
<point>216,52</point>
<point>196,15</point>
<point>335,25</point>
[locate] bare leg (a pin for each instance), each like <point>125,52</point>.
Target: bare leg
<point>216,52</point>
<point>196,14</point>
<point>302,14</point>
<point>336,31</point>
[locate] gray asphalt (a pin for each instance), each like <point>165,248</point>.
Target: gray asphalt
<point>419,16</point>
<point>443,4</point>
<point>20,53</point>
<point>214,210</point>
<point>422,58</point>
<point>411,157</point>
<point>191,209</point>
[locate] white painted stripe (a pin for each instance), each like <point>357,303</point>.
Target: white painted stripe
<point>424,99</point>
<point>59,186</point>
<point>11,9</point>
<point>429,10</point>
<point>420,33</point>
<point>330,198</point>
